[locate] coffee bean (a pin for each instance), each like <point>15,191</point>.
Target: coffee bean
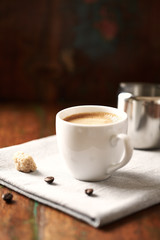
<point>89,191</point>
<point>7,197</point>
<point>49,179</point>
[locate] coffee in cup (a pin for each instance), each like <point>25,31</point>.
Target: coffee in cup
<point>93,141</point>
<point>92,118</point>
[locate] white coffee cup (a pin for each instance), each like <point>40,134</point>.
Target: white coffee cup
<point>93,152</point>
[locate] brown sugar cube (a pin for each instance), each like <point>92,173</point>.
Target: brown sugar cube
<point>24,162</point>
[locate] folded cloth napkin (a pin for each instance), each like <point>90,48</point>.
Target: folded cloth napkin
<point>134,187</point>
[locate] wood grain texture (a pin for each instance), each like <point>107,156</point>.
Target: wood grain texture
<point>29,220</point>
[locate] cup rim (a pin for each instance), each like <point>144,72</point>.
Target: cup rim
<point>123,115</point>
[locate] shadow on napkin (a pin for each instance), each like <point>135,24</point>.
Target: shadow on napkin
<point>132,181</point>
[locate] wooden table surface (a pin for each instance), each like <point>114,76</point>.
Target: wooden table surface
<point>29,220</point>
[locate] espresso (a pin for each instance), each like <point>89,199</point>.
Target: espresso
<point>92,118</point>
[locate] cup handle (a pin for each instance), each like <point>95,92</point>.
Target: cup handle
<point>128,151</point>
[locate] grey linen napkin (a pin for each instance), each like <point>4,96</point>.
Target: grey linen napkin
<point>130,189</point>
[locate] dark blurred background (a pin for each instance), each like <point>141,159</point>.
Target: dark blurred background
<point>76,51</point>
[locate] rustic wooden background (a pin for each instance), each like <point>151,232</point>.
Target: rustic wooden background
<point>76,51</point>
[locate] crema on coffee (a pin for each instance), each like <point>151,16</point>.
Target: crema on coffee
<point>92,118</point>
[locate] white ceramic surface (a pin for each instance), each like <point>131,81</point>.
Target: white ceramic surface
<point>93,153</point>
